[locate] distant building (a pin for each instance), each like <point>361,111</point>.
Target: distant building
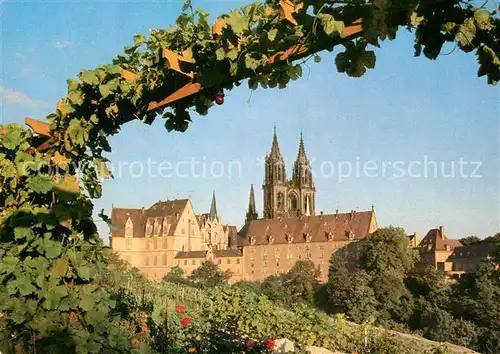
<point>150,239</point>
<point>449,256</point>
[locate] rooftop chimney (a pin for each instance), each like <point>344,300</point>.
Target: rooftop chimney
<point>352,213</point>
<point>336,212</point>
<point>441,232</point>
<point>321,214</point>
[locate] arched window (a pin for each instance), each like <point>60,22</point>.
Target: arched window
<point>129,228</point>
<point>294,204</point>
<point>164,259</point>
<point>280,200</point>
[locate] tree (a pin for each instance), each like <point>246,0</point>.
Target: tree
<point>209,274</point>
<point>303,279</point>
<point>375,286</point>
<point>175,273</point>
<point>350,292</point>
<point>469,240</point>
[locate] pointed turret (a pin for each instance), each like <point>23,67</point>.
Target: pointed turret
<point>301,169</point>
<point>252,210</point>
<point>213,208</point>
<point>275,165</point>
<point>275,148</point>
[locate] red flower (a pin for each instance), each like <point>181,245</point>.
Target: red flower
<point>250,344</point>
<point>144,327</point>
<point>180,309</point>
<point>192,350</point>
<point>135,343</point>
<point>185,321</point>
<point>270,343</point>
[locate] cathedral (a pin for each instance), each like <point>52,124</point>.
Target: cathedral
<point>170,234</point>
<point>285,197</point>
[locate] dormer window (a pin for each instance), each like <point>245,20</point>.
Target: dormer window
<point>351,235</point>
<point>252,240</point>
<point>289,237</point>
<point>308,237</point>
<point>270,239</point>
<point>149,228</point>
<point>165,227</point>
<point>157,227</point>
<point>447,247</point>
<point>329,236</point>
<point>129,228</point>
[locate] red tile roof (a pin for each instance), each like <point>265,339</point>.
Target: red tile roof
<point>316,227</point>
<point>161,209</point>
<point>436,240</point>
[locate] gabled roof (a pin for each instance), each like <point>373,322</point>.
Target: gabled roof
<point>317,226</point>
<point>436,240</point>
<point>169,209</point>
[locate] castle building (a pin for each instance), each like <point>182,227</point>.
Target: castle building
<point>150,239</point>
<point>170,234</point>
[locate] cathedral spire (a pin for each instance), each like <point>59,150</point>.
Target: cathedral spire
<point>275,148</point>
<point>252,210</point>
<point>301,156</point>
<point>213,208</point>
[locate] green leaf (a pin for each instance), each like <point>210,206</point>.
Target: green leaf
<point>272,34</point>
<point>60,267</point>
<point>237,21</point>
<point>253,83</point>
<point>233,69</point>
<point>24,232</point>
<point>84,272</point>
<point>26,288</point>
<point>466,33</point>
<point>448,27</point>
<point>317,59</point>
<point>139,39</point>
<point>330,26</point>
<point>77,132</point>
<point>482,18</point>
<point>109,88</point>
<point>54,296</point>
<point>76,97</point>
<point>220,54</point>
<point>40,183</point>
<point>12,136</point>
<point>89,77</point>
<point>87,303</point>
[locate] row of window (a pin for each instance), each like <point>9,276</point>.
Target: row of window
<point>219,261</point>
<point>154,261</point>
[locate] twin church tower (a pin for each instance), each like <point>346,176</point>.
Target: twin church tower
<point>285,198</point>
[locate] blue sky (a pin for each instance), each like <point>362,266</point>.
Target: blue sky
<point>406,111</point>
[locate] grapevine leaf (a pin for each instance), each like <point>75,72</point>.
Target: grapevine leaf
<point>89,77</point>
<point>26,288</point>
<point>272,34</point>
<point>237,21</point>
<point>60,267</point>
<point>40,183</point>
<point>330,26</point>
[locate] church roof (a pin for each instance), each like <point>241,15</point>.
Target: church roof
<point>436,240</point>
<point>163,209</point>
<point>317,226</point>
